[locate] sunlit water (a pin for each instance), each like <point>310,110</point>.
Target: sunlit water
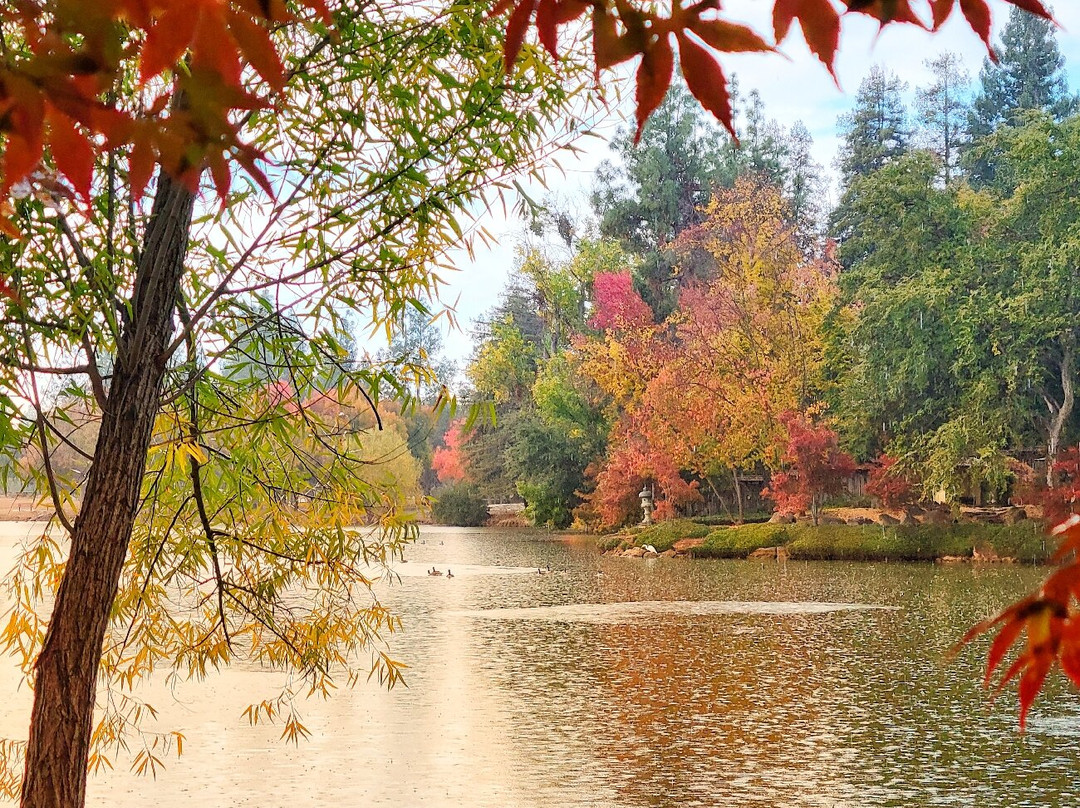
<point>620,682</point>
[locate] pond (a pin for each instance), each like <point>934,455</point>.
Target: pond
<point>613,682</point>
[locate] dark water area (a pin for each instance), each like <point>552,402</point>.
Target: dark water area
<point>619,682</point>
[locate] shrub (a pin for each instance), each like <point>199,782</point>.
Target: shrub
<point>460,505</point>
<point>739,542</point>
<point>663,535</point>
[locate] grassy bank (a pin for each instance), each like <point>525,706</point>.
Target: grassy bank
<point>1024,541</point>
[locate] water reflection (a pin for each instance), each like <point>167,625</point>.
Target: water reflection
<point>662,683</point>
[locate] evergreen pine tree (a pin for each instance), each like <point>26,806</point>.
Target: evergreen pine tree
<point>1028,76</point>
<point>942,111</point>
<point>875,132</point>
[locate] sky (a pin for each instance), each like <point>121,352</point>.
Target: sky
<point>794,87</point>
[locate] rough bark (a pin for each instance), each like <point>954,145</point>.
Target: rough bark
<point>1061,416</point>
<point>66,671</point>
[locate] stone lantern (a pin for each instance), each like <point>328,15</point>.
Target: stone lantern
<point>647,505</point>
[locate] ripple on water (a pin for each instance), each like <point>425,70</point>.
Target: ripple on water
<point>627,612</point>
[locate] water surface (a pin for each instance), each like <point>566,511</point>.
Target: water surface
<point>613,683</point>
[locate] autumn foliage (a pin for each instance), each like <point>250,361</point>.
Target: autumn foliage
<point>57,82</point>
<point>1048,620</point>
<point>698,32</point>
<point>889,484</point>
<point>814,467</point>
<point>447,460</point>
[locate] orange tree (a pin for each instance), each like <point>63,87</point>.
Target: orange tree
<point>139,302</point>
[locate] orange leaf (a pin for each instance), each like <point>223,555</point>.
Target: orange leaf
<point>547,25</point>
<point>1030,684</point>
<point>214,48</point>
<point>515,31</point>
<point>140,163</point>
<point>653,80</point>
<point>71,151</point>
<point>978,17</point>
<point>820,24</point>
<point>609,47</point>
<point>941,10</point>
<point>222,176</point>
<point>167,41</point>
<point>706,80</point>
<point>257,47</point>
<point>885,11</point>
<point>729,37</point>
<point>1035,7</point>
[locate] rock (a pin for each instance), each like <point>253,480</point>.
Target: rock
<point>887,520</point>
<point>769,554</point>
<point>651,554</point>
<point>985,554</point>
<point>830,519</point>
<point>937,517</point>
<point>668,554</point>
<point>908,519</point>
<point>915,510</point>
<point>952,560</point>
<point>860,520</point>
<point>634,552</point>
<point>684,545</point>
<point>1014,515</point>
<point>781,519</point>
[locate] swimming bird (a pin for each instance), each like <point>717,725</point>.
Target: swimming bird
<point>449,574</point>
<point>434,571</point>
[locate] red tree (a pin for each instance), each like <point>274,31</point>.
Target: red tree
<point>816,467</point>
<point>890,484</point>
<point>617,305</point>
<point>447,460</point>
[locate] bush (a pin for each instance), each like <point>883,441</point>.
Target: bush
<point>739,542</point>
<point>663,535</point>
<point>459,505</point>
<point>1023,541</point>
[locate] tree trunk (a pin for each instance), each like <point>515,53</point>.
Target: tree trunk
<point>66,671</point>
<point>1061,417</point>
<point>738,493</point>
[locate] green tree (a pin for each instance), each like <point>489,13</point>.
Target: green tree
<point>876,131</point>
<point>942,111</point>
<point>1028,77</point>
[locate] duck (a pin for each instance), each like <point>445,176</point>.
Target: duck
<point>434,571</point>
<point>449,574</point>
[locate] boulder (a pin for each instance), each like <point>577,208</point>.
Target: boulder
<point>1014,515</point>
<point>985,554</point>
<point>915,510</point>
<point>684,545</point>
<point>859,520</point>
<point>949,559</point>
<point>830,519</point>
<point>908,519</point>
<point>887,520</point>
<point>769,554</point>
<point>937,517</point>
<point>634,552</point>
<point>668,554</point>
<point>781,519</point>
<point>650,554</point>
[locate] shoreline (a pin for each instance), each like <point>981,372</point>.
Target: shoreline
<point>1024,542</point>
